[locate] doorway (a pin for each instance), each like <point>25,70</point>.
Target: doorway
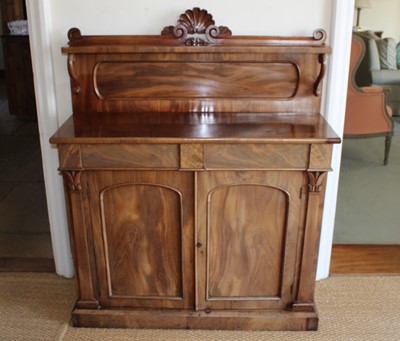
<point>25,243</point>
<point>367,234</point>
<point>39,11</point>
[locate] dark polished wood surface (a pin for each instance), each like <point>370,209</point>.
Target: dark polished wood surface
<point>196,66</point>
<point>144,218</point>
<point>250,223</point>
<point>199,127</point>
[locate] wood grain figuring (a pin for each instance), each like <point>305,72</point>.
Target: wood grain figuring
<point>320,156</point>
<point>222,128</point>
<point>195,22</point>
<point>178,319</point>
<point>140,221</point>
<point>130,156</point>
<point>70,157</point>
<point>152,74</point>
<point>142,230</point>
<point>300,238</point>
<point>79,223</point>
<point>365,259</point>
<point>191,156</point>
<point>246,229</point>
<point>256,156</point>
<point>195,80</point>
<point>312,230</point>
<point>187,82</point>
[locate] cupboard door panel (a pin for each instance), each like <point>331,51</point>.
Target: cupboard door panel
<point>141,226</point>
<point>248,224</point>
<point>140,221</point>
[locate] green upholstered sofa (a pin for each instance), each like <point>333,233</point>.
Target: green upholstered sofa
<point>381,67</point>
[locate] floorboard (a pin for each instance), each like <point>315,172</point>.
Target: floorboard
<point>365,259</point>
<point>26,264</point>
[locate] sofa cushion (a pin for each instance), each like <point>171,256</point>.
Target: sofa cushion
<point>375,64</point>
<point>385,77</point>
<point>398,55</point>
<point>387,53</point>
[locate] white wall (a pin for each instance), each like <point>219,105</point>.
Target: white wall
<point>384,15</point>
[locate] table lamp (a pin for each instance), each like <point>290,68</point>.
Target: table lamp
<point>360,4</point>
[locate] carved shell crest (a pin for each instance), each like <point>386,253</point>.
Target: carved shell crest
<point>196,20</point>
<point>196,27</point>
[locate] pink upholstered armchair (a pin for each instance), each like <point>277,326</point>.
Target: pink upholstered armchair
<point>367,114</point>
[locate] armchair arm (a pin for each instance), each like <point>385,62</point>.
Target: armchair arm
<point>372,89</point>
<point>375,90</point>
<point>367,112</point>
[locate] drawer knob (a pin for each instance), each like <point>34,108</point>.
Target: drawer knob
<point>199,244</point>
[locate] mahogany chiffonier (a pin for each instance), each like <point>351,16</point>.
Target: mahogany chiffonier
<point>195,165</point>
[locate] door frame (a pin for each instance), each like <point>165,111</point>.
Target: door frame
<point>335,108</point>
<point>39,22</point>
<point>40,38</point>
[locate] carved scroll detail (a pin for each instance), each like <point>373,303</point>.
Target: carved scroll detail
<point>318,82</point>
<point>196,27</point>
<point>74,36</point>
<point>73,180</point>
<point>319,35</point>
<point>315,181</point>
<point>76,87</point>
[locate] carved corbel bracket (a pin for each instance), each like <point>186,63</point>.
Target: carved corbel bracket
<point>196,27</point>
<point>73,180</point>
<point>315,179</point>
<point>76,87</point>
<point>318,82</point>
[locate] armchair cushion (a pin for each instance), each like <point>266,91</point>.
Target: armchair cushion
<point>372,89</point>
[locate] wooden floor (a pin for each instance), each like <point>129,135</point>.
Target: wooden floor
<point>26,264</point>
<point>365,259</point>
<point>346,259</point>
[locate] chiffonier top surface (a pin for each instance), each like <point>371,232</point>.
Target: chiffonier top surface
<point>195,127</point>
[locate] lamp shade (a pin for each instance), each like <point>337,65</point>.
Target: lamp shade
<point>362,4</point>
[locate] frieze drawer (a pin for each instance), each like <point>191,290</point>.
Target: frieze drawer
<point>138,156</point>
<point>256,156</point>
